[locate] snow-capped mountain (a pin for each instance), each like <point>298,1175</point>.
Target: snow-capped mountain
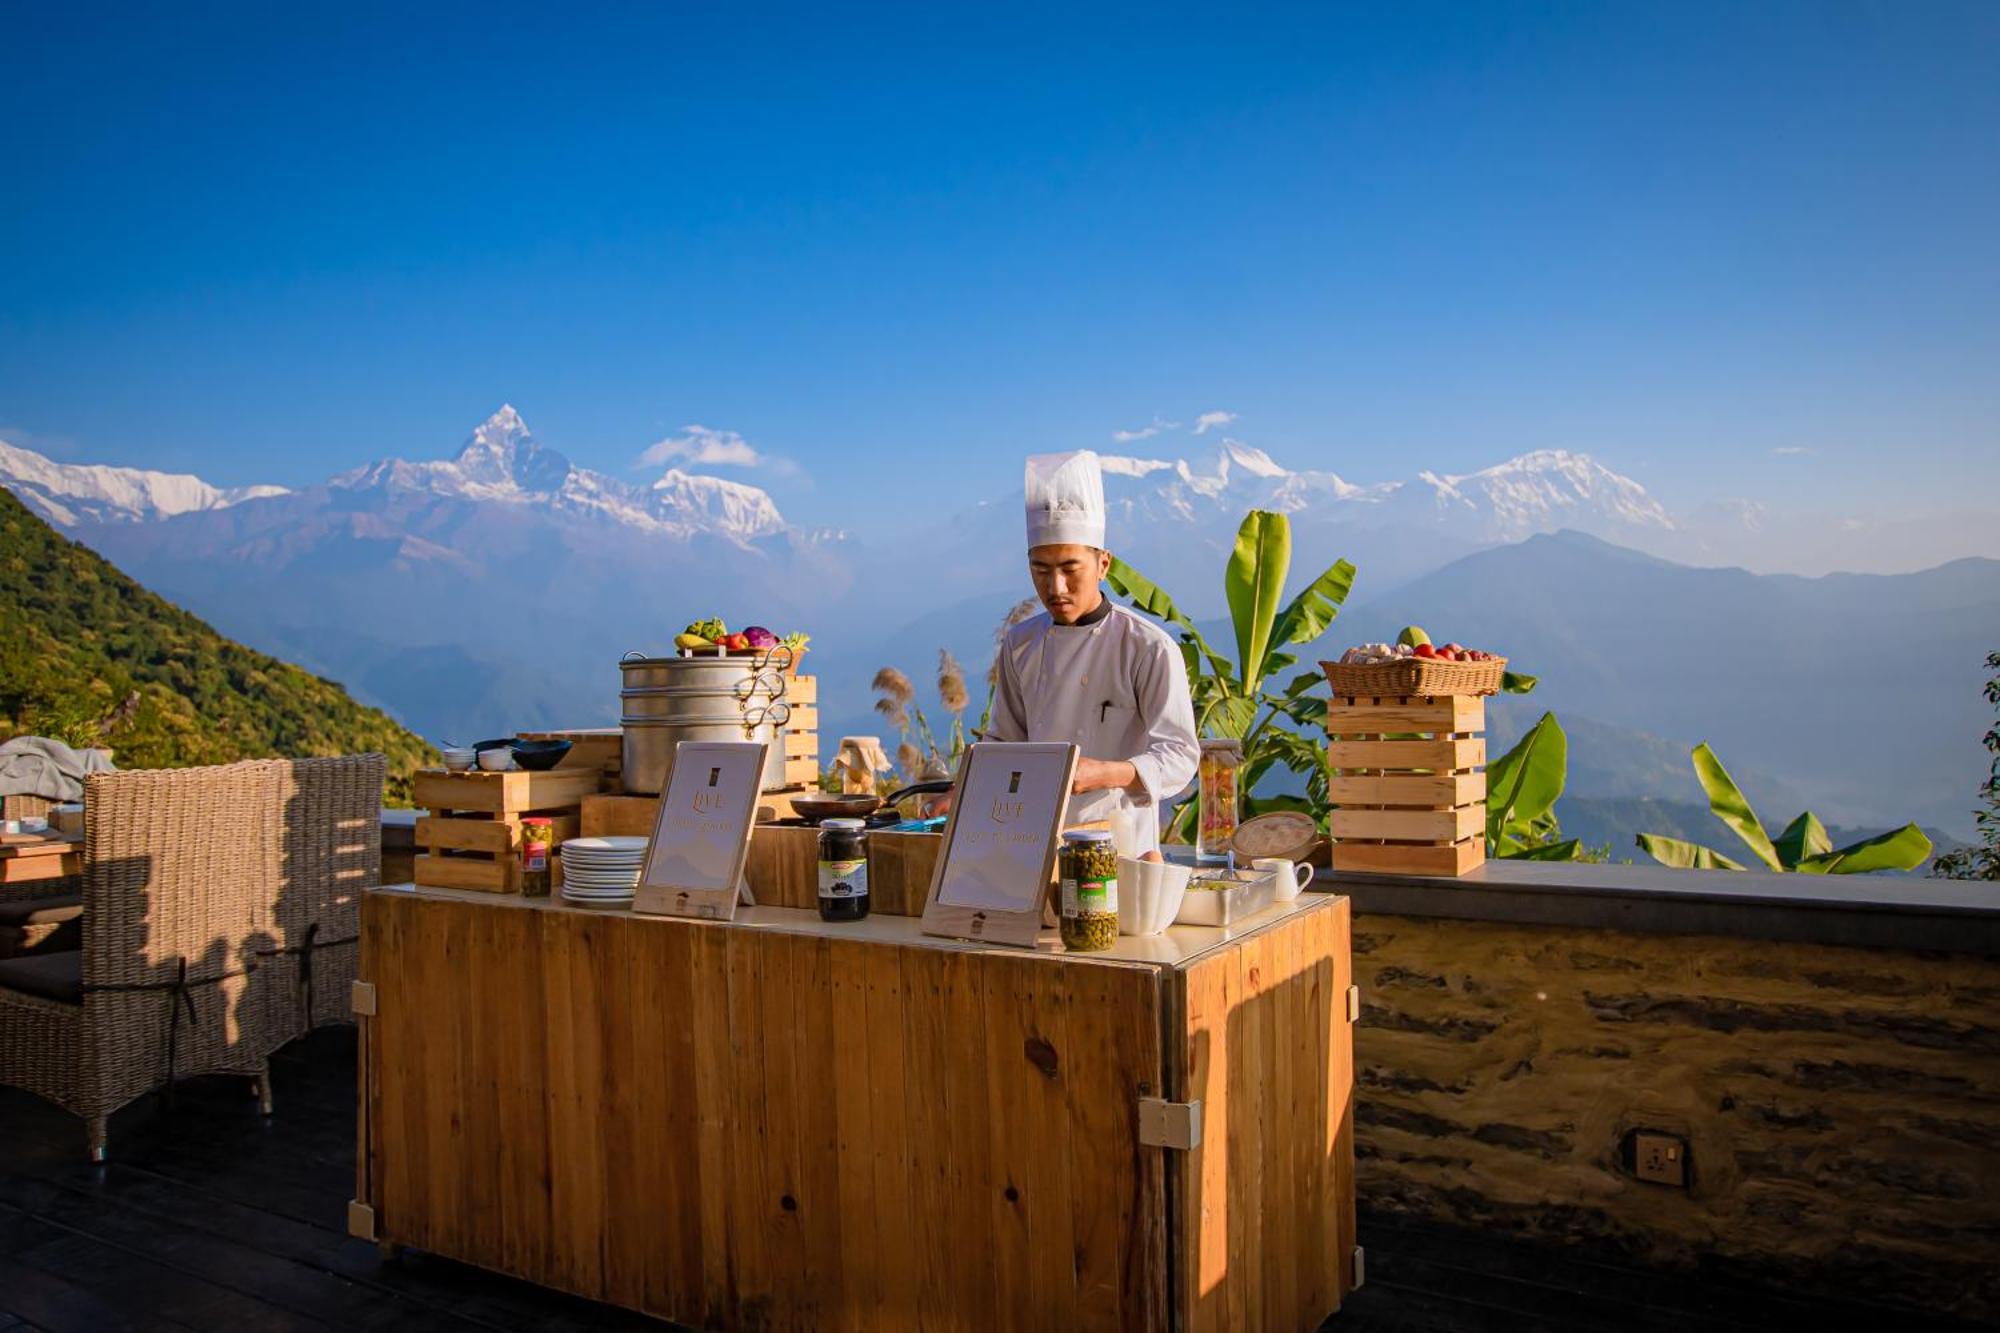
<point>503,463</point>
<point>1543,491</point>
<point>1175,519</point>
<point>68,494</point>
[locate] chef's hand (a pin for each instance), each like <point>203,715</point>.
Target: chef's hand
<point>1104,775</point>
<point>933,806</point>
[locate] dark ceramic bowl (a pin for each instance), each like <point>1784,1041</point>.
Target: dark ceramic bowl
<point>540,755</point>
<point>500,744</point>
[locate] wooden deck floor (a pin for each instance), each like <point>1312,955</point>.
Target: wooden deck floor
<point>209,1218</point>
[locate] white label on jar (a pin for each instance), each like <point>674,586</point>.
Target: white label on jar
<point>843,879</point>
<point>1090,895</point>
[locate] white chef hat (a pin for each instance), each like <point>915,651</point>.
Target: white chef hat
<point>1065,500</point>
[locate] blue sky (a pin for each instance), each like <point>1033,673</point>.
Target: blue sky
<point>912,244</point>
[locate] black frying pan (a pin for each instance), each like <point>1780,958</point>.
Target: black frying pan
<point>874,809</point>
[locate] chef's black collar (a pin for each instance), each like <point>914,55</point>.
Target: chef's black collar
<point>1089,618</point>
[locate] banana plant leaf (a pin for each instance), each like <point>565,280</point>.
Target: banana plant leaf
<point>1523,784</point>
<point>1518,682</point>
<point>1254,581</point>
<point>1905,848</point>
<point>1803,839</point>
<point>1570,849</point>
<point>1316,606</point>
<point>1684,855</point>
<point>1149,597</point>
<point>1728,804</point>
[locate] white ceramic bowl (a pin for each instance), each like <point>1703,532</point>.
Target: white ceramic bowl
<point>1149,895</point>
<point>459,760</point>
<point>496,760</point>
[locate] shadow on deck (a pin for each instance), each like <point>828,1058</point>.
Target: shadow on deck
<point>209,1218</point>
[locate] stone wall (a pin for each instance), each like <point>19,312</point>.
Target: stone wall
<point>1842,1105</point>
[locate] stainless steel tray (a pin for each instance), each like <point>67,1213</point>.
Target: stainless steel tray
<point>1248,893</point>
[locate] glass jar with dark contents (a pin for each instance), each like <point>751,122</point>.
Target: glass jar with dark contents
<point>843,870</point>
<point>1088,866</point>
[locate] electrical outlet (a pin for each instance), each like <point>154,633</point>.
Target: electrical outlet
<point>1661,1159</point>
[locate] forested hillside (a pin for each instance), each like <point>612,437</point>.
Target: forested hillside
<point>90,656</point>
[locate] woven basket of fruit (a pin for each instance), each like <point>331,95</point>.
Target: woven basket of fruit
<point>1413,666</point>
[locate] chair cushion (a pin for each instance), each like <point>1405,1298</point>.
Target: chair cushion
<point>52,976</point>
<point>42,911</point>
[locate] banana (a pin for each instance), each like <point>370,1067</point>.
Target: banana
<point>692,641</point>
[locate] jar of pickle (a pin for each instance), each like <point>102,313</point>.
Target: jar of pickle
<point>843,870</point>
<point>1217,803</point>
<point>1088,866</point>
<point>538,836</point>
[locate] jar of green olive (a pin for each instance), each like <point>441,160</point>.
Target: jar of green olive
<point>1088,866</point>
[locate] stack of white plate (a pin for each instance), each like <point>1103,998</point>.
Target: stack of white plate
<point>602,872</point>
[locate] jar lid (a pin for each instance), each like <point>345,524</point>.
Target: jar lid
<point>843,825</point>
<point>1087,835</point>
<point>538,819</point>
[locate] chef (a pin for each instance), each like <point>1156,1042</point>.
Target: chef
<point>1090,672</point>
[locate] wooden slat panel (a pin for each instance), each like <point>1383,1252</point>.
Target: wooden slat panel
<point>899,870</point>
<point>1454,713</point>
<point>1409,858</point>
<point>500,836</point>
<point>801,772</point>
<point>825,1297</point>
<point>861,1242</point>
<point>714,1168</point>
<point>1265,1204</point>
<point>467,872</point>
<point>802,690</point>
<point>1210,990</point>
<point>929,1046</point>
<point>1413,789</point>
<point>1335,945</point>
<point>619,816</point>
<point>969,1181</point>
<point>782,868</point>
<point>509,792</point>
<point>1414,825</point>
<point>897,1273</point>
<point>804,717</point>
<point>801,745</point>
<point>1465,752</point>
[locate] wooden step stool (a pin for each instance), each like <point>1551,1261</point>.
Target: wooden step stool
<point>471,839</point>
<point>1409,784</point>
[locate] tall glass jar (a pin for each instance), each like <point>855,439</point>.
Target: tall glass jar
<point>843,870</point>
<point>1218,802</point>
<point>1088,866</point>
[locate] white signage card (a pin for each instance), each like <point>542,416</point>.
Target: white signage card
<point>701,836</point>
<point>999,847</point>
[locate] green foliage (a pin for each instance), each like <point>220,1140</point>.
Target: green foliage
<point>1803,847</point>
<point>1239,699</point>
<point>89,656</point>
<point>1982,861</point>
<point>1521,791</point>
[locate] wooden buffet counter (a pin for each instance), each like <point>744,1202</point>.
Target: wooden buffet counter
<point>780,1123</point>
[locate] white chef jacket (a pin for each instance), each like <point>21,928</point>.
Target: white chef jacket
<point>1117,688</point>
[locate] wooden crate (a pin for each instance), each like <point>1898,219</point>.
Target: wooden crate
<point>471,837</point>
<point>789,1124</point>
<point>1409,786</point>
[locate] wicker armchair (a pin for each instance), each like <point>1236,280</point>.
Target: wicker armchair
<point>180,867</point>
<point>330,852</point>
